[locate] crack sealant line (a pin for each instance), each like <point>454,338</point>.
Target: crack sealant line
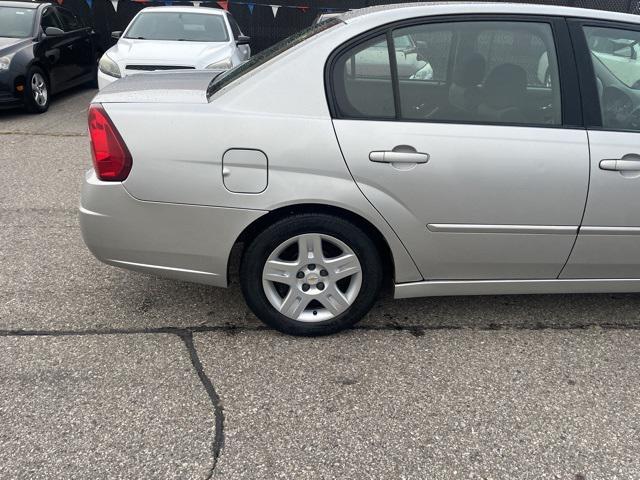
<point>218,439</point>
<point>389,327</point>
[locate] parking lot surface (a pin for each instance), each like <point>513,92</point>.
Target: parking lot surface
<point>113,374</point>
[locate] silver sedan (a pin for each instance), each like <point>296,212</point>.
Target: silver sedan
<point>337,178</point>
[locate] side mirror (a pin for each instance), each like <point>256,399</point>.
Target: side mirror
<point>243,40</point>
<point>53,32</point>
<point>116,35</point>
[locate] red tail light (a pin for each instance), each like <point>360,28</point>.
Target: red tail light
<point>111,158</point>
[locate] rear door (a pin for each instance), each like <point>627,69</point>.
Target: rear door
<point>476,155</point>
<point>608,245</point>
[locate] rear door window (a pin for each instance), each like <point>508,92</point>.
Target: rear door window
<point>362,81</point>
<point>495,72</point>
<point>498,72</point>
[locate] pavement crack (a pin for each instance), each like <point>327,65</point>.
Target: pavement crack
<point>218,439</point>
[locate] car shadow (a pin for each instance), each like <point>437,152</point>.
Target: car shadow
<point>57,102</point>
<point>563,311</point>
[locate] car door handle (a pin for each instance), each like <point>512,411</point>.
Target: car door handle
<point>628,163</point>
<point>400,154</point>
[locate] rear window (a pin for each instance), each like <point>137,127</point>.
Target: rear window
<point>224,79</point>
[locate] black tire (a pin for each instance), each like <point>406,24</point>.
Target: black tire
<point>257,253</point>
<point>29,95</point>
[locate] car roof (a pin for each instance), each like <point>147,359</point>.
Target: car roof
<point>401,11</point>
<point>185,9</point>
<point>20,4</point>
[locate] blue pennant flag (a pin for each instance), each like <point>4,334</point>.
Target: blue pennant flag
<point>251,6</point>
<point>90,3</point>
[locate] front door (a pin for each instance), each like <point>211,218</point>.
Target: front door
<point>609,242</point>
<point>53,49</point>
<point>473,157</point>
<point>77,55</point>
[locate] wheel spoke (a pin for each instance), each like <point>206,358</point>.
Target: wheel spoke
<point>310,246</point>
<point>280,271</point>
<point>334,300</point>
<point>343,266</point>
<point>294,304</point>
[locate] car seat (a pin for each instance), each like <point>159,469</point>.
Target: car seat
<point>505,95</point>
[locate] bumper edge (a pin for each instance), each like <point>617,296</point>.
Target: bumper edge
<point>183,242</point>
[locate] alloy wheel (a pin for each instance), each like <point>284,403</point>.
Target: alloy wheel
<point>39,89</point>
<point>312,277</point>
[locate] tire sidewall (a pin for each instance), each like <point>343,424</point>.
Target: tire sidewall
<point>30,102</point>
<point>256,254</point>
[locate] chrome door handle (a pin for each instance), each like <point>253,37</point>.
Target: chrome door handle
<point>400,154</point>
<point>628,163</point>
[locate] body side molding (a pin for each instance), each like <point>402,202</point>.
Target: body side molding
<point>514,287</point>
<point>513,229</point>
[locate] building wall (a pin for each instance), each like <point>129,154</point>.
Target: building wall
<point>268,23</point>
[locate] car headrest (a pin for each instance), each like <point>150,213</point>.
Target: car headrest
<point>506,86</point>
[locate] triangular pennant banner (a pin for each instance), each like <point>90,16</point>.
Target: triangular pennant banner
<point>115,4</point>
<point>90,3</point>
<point>303,9</point>
<point>250,7</point>
<point>224,4</point>
<point>274,9</point>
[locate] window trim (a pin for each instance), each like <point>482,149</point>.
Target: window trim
<point>53,11</point>
<point>570,98</point>
<point>588,85</point>
<point>58,9</point>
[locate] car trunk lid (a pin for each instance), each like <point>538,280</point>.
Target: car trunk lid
<point>188,87</point>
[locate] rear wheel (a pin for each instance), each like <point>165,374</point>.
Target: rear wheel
<point>37,94</point>
<point>311,274</point>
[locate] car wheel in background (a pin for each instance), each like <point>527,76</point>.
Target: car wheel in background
<point>311,274</point>
<point>37,94</point>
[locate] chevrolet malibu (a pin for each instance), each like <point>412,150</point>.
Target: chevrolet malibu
<point>336,180</point>
<point>175,38</point>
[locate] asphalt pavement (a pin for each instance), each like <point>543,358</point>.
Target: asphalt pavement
<point>113,374</point>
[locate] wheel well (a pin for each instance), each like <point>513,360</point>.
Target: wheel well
<point>275,215</point>
<point>44,70</point>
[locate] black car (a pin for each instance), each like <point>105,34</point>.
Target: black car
<point>44,49</point>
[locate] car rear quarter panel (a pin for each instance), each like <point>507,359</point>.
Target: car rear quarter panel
<point>177,149</point>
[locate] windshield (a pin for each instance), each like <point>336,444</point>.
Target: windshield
<point>16,22</point>
<point>188,27</point>
<point>221,81</point>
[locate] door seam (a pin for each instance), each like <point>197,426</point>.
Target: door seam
<point>584,211</point>
<point>344,159</point>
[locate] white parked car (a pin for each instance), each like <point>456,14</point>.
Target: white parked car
<point>175,38</point>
